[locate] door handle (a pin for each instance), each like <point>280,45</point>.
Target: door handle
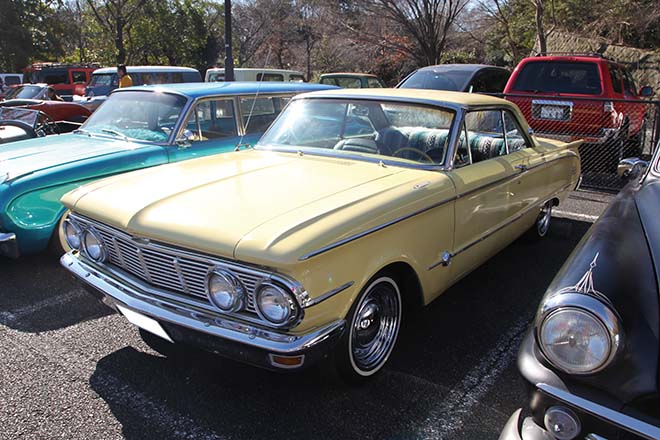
<point>521,167</point>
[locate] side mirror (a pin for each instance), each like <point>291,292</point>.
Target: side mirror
<point>646,91</point>
<point>186,139</point>
<point>631,167</point>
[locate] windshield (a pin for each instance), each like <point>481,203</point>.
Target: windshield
<point>103,79</point>
<point>19,114</point>
<point>24,92</point>
<point>454,80</point>
<point>559,77</point>
<point>385,130</point>
<point>139,115</point>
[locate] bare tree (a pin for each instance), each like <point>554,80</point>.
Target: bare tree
<point>116,16</point>
<point>542,35</point>
<point>428,23</point>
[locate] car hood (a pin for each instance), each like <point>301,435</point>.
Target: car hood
<point>647,200</point>
<point>254,206</point>
<point>19,159</point>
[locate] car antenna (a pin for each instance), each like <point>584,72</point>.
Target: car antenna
<point>254,101</point>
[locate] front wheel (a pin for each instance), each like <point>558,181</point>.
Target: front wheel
<point>373,327</point>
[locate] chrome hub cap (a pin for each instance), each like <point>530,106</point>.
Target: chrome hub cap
<point>543,223</point>
<point>375,326</point>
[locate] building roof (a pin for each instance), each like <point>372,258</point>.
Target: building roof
<point>200,89</point>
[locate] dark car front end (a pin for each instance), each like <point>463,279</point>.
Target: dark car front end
<point>590,359</point>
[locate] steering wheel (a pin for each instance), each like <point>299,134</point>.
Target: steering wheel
<point>415,150</point>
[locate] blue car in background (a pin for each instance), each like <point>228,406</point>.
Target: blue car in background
<point>105,80</point>
<point>137,127</point>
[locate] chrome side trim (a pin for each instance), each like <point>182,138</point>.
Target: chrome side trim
<point>372,230</point>
<point>447,258</point>
<point>617,418</point>
<point>197,319</point>
<point>319,299</point>
<point>428,208</point>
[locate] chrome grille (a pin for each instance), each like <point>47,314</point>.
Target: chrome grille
<point>166,268</point>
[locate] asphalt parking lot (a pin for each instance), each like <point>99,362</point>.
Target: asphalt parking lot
<point>71,369</point>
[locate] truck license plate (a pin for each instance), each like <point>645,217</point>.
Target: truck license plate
<point>552,112</point>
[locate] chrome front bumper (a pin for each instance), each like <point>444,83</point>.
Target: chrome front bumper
<point>198,327</point>
<point>8,245</point>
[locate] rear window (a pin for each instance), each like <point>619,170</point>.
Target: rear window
<point>559,77</point>
<point>12,80</point>
<point>438,79</point>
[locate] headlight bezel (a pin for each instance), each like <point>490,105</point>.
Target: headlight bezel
<point>69,222</point>
<point>597,309</point>
<point>230,278</point>
<point>97,236</point>
<point>295,314</point>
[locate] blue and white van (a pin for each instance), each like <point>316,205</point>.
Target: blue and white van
<point>105,80</point>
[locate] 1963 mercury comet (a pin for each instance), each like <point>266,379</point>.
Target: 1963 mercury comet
<point>137,127</point>
<point>352,204</point>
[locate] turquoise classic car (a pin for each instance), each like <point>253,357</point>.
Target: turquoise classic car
<point>137,127</point>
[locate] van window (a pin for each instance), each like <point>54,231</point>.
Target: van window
<point>296,78</point>
<point>189,77</point>
<point>11,80</point>
<point>176,77</point>
<point>103,79</point>
<point>147,79</point>
<point>216,76</point>
<point>79,77</point>
<point>270,77</point>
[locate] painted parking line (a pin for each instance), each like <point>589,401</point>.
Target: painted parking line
<point>15,315</point>
<point>574,215</point>
<point>456,407</point>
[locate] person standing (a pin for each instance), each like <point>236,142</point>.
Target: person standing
<point>124,78</point>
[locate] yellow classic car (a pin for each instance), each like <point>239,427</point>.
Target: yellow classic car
<point>353,204</point>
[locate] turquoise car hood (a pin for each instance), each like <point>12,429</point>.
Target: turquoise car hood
<point>19,159</point>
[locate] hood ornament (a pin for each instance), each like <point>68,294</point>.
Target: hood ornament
<point>586,284</point>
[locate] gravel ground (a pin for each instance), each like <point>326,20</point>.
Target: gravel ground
<point>72,369</point>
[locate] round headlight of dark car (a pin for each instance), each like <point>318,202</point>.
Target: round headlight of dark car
<point>275,305</point>
<point>578,333</point>
<point>72,234</point>
<point>225,290</point>
<point>93,245</point>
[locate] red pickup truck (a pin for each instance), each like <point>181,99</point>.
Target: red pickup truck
<point>585,96</point>
<point>66,79</point>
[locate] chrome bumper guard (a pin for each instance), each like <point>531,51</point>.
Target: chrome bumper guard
<point>233,339</point>
<point>8,245</point>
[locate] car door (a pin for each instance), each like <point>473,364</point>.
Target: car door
<point>211,127</point>
<point>483,176</point>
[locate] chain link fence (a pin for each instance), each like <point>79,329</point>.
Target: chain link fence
<point>612,129</point>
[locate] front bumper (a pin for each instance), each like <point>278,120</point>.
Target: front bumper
<point>8,245</point>
<point>197,327</point>
<point>598,419</point>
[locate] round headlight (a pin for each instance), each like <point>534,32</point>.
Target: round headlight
<point>575,341</point>
<point>225,290</point>
<point>72,234</point>
<point>274,304</point>
<point>93,245</point>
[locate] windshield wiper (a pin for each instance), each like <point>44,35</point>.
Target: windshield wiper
<point>115,133</point>
<point>82,131</point>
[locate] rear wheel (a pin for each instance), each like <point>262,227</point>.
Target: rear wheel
<point>373,327</point>
<point>542,224</point>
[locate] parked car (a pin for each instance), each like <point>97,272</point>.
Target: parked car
<point>352,80</point>
<point>353,203</point>
<point>137,127</point>
<point>67,79</point>
<point>105,80</point>
<point>26,92</point>
<point>9,80</point>
<point>591,357</point>
<point>475,78</point>
<point>17,124</point>
<point>569,97</point>
<point>248,74</point>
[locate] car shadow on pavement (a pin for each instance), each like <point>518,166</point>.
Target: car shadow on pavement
<point>205,396</point>
<point>37,295</point>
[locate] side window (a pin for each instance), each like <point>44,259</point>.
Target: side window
<point>148,78</point>
<point>615,76</point>
<point>373,83</point>
<point>349,83</point>
<point>162,78</point>
<point>12,80</point>
<point>79,77</point>
<point>515,139</point>
<point>270,77</point>
<point>479,83</point>
<point>212,119</point>
<point>259,113</point>
<point>629,83</point>
<point>463,156</point>
<point>177,77</point>
<point>485,134</point>
<point>296,78</point>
